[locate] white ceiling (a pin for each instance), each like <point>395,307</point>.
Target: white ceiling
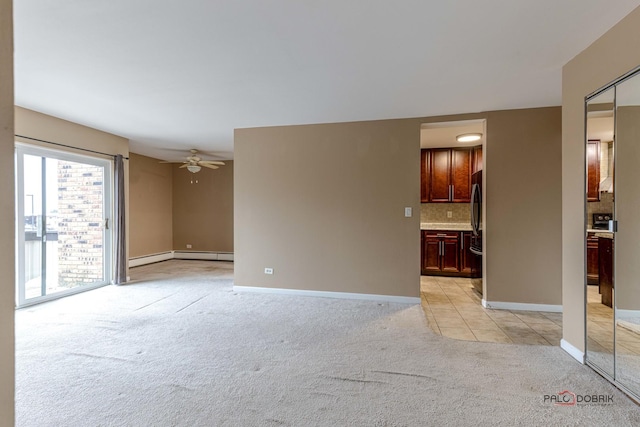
<point>600,126</point>
<point>184,74</point>
<point>443,135</point>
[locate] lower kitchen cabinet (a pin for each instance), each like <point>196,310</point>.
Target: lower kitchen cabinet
<point>446,253</point>
<point>431,253</point>
<point>467,258</point>
<point>605,270</point>
<point>592,259</point>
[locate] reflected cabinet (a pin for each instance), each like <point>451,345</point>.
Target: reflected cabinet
<point>612,274</point>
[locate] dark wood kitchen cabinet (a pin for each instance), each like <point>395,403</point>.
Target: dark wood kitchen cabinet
<point>592,259</point>
<point>605,270</point>
<point>440,252</point>
<point>431,248</point>
<point>461,175</point>
<point>450,175</point>
<point>467,258</point>
<point>476,159</point>
<point>447,253</point>
<point>593,170</point>
<point>425,156</point>
<point>440,175</point>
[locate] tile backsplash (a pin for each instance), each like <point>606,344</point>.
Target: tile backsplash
<point>437,212</point>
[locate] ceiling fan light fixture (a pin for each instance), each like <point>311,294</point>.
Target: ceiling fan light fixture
<point>193,168</point>
<point>469,137</point>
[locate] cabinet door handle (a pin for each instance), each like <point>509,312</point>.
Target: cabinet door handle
<point>450,193</point>
<point>462,239</point>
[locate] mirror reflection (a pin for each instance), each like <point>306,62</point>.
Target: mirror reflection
<point>627,272</point>
<point>599,240</point>
<point>613,233</point>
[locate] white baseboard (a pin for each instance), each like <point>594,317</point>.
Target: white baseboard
<point>327,294</point>
<point>225,256</point>
<point>627,314</point>
<point>517,306</point>
<point>209,256</point>
<point>150,259</point>
<point>573,351</point>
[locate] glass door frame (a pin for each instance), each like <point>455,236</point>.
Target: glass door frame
<point>21,150</point>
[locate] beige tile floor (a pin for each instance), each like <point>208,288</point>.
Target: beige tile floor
<point>453,309</point>
<point>600,328</point>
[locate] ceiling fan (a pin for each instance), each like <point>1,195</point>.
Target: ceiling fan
<point>195,163</point>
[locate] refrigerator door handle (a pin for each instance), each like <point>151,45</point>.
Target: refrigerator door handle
<point>474,225</point>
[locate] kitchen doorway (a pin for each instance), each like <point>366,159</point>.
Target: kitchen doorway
<point>63,207</point>
<point>451,195</point>
<point>451,226</point>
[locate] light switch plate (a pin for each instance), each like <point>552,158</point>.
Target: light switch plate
<point>407,212</point>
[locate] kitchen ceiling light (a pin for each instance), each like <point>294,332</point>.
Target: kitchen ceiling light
<point>193,168</point>
<point>469,137</point>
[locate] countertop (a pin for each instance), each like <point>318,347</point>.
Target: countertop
<point>462,226</point>
<point>601,233</point>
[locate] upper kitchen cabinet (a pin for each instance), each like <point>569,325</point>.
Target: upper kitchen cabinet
<point>476,160</point>
<point>440,175</point>
<point>425,156</point>
<point>593,170</point>
<point>450,175</point>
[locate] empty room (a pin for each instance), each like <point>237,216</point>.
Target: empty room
<point>389,213</point>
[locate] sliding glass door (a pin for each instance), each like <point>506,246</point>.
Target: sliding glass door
<point>63,210</point>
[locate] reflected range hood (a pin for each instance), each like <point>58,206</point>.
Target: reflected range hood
<point>606,184</point>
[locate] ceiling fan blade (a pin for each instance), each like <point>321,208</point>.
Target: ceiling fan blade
<point>184,166</point>
<point>211,162</point>
<point>204,165</point>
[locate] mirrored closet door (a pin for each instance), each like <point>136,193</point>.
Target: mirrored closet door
<point>613,233</point>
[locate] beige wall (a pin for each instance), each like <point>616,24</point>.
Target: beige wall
<point>323,206</point>
<point>614,54</point>
<point>7,220</point>
<point>203,211</point>
<point>37,125</point>
<point>523,201</point>
<point>151,196</point>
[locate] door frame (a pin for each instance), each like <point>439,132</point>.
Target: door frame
<point>22,149</point>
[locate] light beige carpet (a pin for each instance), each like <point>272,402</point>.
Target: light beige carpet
<point>178,347</point>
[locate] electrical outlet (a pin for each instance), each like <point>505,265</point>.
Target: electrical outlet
<point>268,270</point>
<point>449,214</point>
<point>188,246</point>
